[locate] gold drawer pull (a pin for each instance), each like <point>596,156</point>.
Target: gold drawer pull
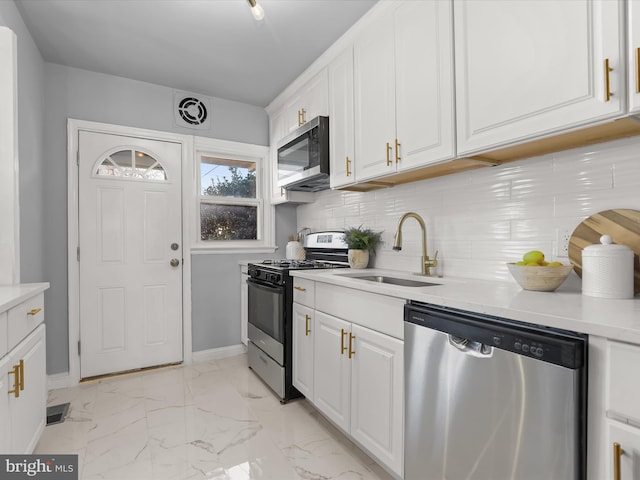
<point>35,311</point>
<point>307,330</point>
<point>637,70</point>
<point>302,289</point>
<point>617,453</point>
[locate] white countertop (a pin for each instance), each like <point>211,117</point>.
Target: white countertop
<point>565,308</point>
<point>12,295</point>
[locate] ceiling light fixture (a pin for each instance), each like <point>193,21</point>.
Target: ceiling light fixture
<point>256,10</point>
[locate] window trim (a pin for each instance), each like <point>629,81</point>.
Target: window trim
<point>266,211</point>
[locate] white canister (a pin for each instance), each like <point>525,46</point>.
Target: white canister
<point>607,270</point>
<point>295,251</point>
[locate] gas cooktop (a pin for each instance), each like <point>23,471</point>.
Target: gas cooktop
<point>283,264</point>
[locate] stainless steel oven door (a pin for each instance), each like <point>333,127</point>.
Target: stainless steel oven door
<point>266,317</point>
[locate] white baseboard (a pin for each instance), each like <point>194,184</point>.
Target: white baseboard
<point>217,353</point>
<point>60,380</point>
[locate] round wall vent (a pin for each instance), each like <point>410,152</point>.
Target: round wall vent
<point>191,111</point>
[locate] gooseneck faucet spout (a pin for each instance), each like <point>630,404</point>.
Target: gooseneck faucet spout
<point>425,262</point>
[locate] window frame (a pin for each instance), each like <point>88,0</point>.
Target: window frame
<point>265,242</point>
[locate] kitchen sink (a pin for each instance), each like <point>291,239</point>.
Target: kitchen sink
<point>404,282</point>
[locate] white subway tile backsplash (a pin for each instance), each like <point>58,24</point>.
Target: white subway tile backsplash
<point>481,219</point>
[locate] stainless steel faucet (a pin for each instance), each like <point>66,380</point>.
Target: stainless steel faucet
<point>425,262</point>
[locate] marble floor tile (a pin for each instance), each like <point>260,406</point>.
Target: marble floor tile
<point>214,420</point>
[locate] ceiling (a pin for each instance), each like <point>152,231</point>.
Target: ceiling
<point>210,47</point>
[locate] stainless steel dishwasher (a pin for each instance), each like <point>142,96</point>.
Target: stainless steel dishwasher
<point>488,398</point>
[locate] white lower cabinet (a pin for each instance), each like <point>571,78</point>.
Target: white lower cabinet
<point>352,368</point>
<point>303,335</point>
<point>23,407</point>
<point>624,444</point>
<point>358,384</point>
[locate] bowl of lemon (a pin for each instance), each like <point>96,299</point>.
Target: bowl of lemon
<point>534,273</point>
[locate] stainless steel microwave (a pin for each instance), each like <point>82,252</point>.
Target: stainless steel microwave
<point>303,157</point>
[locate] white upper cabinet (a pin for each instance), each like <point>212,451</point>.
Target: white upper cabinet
<point>309,102</point>
<point>633,24</point>
<point>529,68</point>
<point>403,82</point>
<point>341,127</point>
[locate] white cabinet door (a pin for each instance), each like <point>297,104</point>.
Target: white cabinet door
<point>303,333</point>
<point>332,368</point>
<point>425,120</point>
<point>341,126</point>
<point>6,384</point>
<point>29,410</point>
<point>375,108</point>
<point>309,102</point>
<point>377,395</point>
<point>629,440</point>
<point>532,67</point>
<point>403,82</point>
<point>633,24</point>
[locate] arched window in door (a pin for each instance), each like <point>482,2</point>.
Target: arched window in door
<point>133,164</point>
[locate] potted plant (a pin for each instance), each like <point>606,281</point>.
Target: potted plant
<point>361,241</point>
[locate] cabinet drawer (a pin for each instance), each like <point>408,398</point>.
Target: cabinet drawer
<point>3,334</point>
<point>378,312</point>
<point>304,292</point>
<point>24,318</point>
<point>623,382</point>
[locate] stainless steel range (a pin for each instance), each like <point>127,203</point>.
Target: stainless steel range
<point>270,308</point>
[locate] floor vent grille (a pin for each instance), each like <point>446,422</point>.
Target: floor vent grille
<point>57,413</point>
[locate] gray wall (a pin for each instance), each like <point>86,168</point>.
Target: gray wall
<point>79,94</point>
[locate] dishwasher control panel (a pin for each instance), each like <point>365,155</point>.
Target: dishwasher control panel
<point>559,347</point>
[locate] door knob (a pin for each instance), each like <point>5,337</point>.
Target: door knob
<point>174,262</point>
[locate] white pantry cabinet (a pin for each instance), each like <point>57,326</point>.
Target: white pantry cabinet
<point>633,82</point>
<point>531,68</point>
<point>403,83</point>
<point>341,121</point>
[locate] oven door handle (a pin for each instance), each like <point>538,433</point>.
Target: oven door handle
<point>263,286</point>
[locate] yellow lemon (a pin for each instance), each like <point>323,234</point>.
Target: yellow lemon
<point>521,263</point>
<point>555,264</point>
<point>532,264</point>
<point>534,256</point>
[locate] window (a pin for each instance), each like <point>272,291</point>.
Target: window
<point>232,213</point>
<point>131,164</point>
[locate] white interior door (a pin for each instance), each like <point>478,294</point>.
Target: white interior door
<point>130,231</point>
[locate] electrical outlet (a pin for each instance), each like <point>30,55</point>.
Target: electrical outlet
<point>562,242</point>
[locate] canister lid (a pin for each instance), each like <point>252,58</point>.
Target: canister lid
<point>606,249</point>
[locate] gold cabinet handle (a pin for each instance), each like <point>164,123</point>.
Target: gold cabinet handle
<point>35,311</point>
<point>307,330</point>
<point>282,191</point>
<point>18,379</point>
<point>397,151</point>
<point>637,70</point>
<point>352,352</point>
<point>388,154</point>
<point>348,164</point>
<point>607,80</point>
<point>617,453</point>
<point>343,334</point>
<point>301,119</point>
<point>302,289</point>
